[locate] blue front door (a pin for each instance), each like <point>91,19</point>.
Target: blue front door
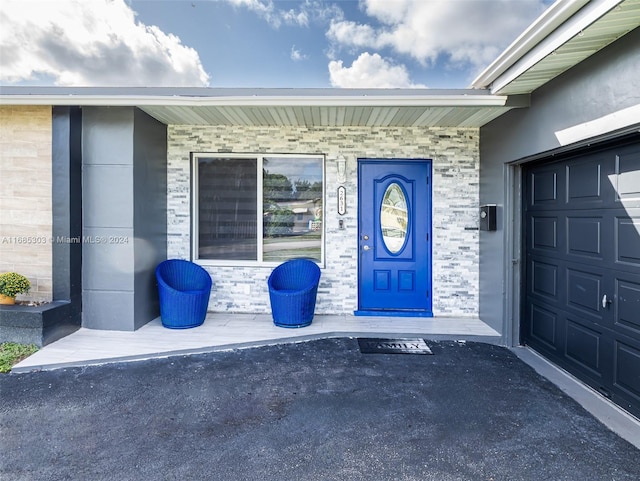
<point>394,224</point>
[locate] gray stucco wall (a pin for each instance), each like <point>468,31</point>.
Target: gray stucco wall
<point>149,212</point>
<point>601,85</point>
<point>124,216</point>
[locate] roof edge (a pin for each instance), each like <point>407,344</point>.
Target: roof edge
<point>246,97</point>
<point>561,20</point>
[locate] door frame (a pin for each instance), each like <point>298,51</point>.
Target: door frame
<point>390,312</point>
<point>513,265</point>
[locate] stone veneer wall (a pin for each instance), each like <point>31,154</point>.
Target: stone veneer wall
<point>454,152</point>
<point>25,196</point>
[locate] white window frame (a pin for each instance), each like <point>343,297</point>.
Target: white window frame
<point>195,195</point>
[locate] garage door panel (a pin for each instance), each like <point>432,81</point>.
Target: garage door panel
<point>583,347</point>
<point>543,325</point>
<point>544,233</point>
<point>627,240</point>
<point>627,369</point>
<point>584,292</point>
<point>627,305</point>
<point>545,279</point>
<point>588,184</point>
<point>584,236</point>
<point>627,178</point>
<point>544,187</point>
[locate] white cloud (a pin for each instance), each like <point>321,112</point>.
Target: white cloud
<point>466,31</point>
<point>91,43</point>
<point>297,55</point>
<point>370,71</point>
<point>296,18</point>
<point>306,11</point>
<point>274,16</point>
<point>353,34</point>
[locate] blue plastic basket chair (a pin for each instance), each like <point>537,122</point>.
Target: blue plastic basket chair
<point>184,289</point>
<point>293,287</point>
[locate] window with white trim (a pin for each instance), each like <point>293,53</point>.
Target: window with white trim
<point>257,209</point>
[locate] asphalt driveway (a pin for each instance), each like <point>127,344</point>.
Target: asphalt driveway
<point>315,410</point>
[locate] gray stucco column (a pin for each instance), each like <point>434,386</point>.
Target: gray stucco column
<point>124,233</point>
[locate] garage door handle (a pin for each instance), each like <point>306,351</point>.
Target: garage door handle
<point>605,301</point>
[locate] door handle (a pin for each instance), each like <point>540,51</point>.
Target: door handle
<point>365,248</point>
<point>605,301</point>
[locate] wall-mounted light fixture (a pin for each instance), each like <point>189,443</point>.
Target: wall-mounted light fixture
<point>342,169</point>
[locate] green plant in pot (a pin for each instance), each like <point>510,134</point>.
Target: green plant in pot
<point>12,284</point>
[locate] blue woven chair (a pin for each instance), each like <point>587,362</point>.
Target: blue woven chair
<point>184,289</point>
<point>293,287</point>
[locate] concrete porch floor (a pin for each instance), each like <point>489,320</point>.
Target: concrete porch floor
<point>226,331</point>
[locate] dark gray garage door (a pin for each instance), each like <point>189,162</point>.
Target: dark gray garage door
<point>582,236</point>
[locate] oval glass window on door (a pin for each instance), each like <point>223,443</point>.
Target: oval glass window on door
<point>394,218</point>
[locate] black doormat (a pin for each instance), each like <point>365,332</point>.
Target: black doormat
<point>374,345</point>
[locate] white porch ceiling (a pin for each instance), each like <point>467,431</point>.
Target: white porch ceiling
<point>327,116</point>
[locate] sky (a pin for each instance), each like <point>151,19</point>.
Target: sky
<point>257,43</point>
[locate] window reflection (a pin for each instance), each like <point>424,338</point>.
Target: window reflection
<point>292,208</point>
<point>394,218</point>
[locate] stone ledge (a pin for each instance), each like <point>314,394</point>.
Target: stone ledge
<point>39,325</point>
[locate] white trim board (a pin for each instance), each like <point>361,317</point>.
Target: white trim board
<point>602,125</point>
